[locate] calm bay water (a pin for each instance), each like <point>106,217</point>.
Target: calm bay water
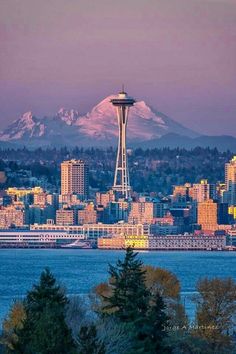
<point>81,270</point>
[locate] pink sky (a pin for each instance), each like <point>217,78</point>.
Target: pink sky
<point>177,55</point>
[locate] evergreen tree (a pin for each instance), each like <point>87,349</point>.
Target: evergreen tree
<point>132,303</point>
<point>51,334</point>
<point>44,330</point>
<point>156,326</point>
<point>153,332</point>
<point>88,343</point>
<point>47,292</point>
<point>130,297</point>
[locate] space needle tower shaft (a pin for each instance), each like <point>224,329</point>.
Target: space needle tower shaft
<point>121,183</point>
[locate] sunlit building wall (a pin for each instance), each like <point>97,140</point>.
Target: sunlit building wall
<point>207,215</point>
<point>75,178</point>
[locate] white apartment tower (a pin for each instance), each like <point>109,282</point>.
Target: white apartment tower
<point>74,178</point>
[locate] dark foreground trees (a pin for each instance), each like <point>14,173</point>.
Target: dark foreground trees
<point>12,324</point>
<point>88,341</point>
<point>138,310</point>
<point>216,314</point>
<point>132,303</point>
<point>43,328</point>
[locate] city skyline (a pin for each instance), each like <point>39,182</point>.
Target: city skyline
<point>176,55</point>
<point>117,176</point>
<point>199,208</point>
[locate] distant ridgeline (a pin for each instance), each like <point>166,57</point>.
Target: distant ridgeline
<point>150,169</point>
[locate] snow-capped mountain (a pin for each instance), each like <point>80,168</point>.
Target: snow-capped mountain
<point>69,117</point>
<point>98,127</point>
<point>26,126</point>
<point>144,123</point>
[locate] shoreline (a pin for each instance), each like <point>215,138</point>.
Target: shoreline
<point>116,249</point>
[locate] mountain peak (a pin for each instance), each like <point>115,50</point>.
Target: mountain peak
<point>144,123</point>
<point>27,117</point>
<point>68,116</point>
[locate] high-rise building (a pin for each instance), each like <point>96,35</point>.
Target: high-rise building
<point>75,178</point>
<point>39,214</point>
<point>65,217</point>
<point>118,211</point>
<point>40,199</point>
<point>87,215</point>
<point>230,181</point>
<point>223,213</point>
<point>181,193</point>
<point>105,198</point>
<point>11,216</point>
<point>203,191</point>
<point>232,214</point>
<point>121,183</point>
<point>207,215</point>
<point>142,212</point>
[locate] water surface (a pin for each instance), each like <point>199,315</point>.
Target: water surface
<point>81,270</point>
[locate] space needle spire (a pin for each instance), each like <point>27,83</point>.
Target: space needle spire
<point>121,183</point>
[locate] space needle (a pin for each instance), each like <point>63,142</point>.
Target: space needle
<point>121,183</point>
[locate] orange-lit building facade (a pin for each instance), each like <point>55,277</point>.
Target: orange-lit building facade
<point>207,215</point>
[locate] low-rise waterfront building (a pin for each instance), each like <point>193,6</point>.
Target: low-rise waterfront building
<point>187,242</point>
<point>93,231</point>
<point>30,238</point>
<point>168,242</point>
